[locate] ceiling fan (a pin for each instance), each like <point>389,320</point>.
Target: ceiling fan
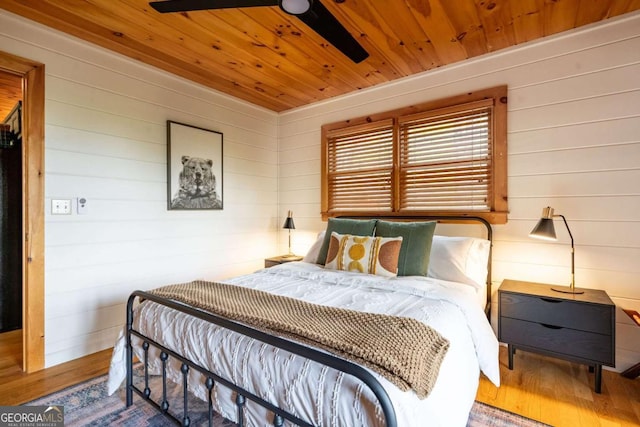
<point>311,12</point>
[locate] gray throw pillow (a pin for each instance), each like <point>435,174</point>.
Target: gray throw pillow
<point>416,244</point>
<point>356,227</point>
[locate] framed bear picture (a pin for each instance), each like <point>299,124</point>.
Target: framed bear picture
<point>194,168</point>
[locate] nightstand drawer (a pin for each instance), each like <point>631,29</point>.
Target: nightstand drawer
<point>565,341</point>
<point>557,312</point>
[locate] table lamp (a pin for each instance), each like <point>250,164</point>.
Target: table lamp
<point>289,225</point>
<point>545,230</point>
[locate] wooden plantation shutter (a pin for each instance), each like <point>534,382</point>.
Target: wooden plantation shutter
<point>445,159</point>
<point>360,167</point>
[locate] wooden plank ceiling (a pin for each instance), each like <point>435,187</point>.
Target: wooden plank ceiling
<point>271,59</point>
<point>10,93</point>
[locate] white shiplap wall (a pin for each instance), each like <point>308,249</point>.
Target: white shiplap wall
<point>105,140</point>
<point>574,144</point>
<point>574,123</point>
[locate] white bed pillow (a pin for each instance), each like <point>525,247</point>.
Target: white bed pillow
<point>314,251</point>
<point>459,259</point>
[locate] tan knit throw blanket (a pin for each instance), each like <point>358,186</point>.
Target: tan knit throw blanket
<point>405,351</point>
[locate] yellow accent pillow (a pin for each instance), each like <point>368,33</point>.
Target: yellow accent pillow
<point>364,254</point>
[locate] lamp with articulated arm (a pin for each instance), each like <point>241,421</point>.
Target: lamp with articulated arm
<point>545,230</point>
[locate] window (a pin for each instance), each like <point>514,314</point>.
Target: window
<point>446,157</point>
<point>360,162</point>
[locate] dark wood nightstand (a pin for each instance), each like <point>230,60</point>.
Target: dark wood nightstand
<point>281,259</point>
<point>576,327</point>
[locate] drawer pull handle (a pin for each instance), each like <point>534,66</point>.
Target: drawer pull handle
<point>550,326</point>
<point>554,301</point>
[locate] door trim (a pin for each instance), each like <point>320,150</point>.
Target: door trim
<point>32,207</point>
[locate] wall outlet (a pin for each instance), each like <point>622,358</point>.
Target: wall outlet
<point>60,207</point>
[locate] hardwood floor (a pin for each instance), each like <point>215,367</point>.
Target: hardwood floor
<point>16,387</point>
<point>552,391</point>
<point>561,393</point>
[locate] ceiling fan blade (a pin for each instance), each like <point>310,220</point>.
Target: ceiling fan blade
<point>190,5</point>
<point>325,24</point>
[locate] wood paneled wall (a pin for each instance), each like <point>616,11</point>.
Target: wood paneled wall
<point>573,138</point>
<point>105,141</point>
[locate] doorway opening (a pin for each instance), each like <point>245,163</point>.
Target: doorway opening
<point>11,219</point>
<point>31,232</point>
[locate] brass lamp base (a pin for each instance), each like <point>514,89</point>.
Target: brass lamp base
<point>568,290</point>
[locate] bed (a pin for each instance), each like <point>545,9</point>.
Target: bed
<point>256,378</point>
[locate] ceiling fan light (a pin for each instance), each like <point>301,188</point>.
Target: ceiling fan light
<point>295,7</point>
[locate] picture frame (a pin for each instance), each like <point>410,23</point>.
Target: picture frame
<point>194,168</point>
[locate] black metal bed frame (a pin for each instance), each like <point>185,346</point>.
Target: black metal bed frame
<point>242,394</point>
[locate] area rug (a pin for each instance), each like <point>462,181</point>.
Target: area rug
<point>87,404</point>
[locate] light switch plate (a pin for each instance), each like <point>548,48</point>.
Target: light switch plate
<point>60,206</point>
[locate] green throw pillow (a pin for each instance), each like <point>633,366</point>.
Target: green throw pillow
<point>355,227</point>
<point>416,244</point>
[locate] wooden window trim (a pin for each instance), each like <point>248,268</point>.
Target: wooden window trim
<point>499,202</point>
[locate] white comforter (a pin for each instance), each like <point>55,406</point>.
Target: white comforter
<point>321,395</point>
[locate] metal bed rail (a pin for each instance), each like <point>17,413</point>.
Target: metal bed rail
<point>211,378</point>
